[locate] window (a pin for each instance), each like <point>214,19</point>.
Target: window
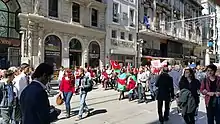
<point>94,17</point>
<point>9,22</point>
<point>115,12</point>
<point>53,8</point>
<point>123,35</point>
<point>114,34</point>
<point>76,12</point>
<point>131,17</point>
<point>125,18</point>
<point>130,37</point>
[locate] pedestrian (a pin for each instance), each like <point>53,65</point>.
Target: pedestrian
<point>67,88</point>
<point>60,76</point>
<point>35,106</point>
<point>210,87</point>
<point>187,103</point>
<point>165,92</point>
<point>23,79</point>
<point>194,85</point>
<point>152,81</point>
<point>141,85</point>
<point>7,97</point>
<point>83,90</point>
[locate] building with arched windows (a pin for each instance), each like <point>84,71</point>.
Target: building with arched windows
<point>65,33</point>
<point>9,33</point>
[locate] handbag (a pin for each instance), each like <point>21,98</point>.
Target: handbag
<point>59,100</point>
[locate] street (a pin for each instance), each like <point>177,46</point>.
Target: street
<point>107,109</point>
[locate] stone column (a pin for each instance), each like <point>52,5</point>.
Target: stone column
<point>24,47</point>
<point>154,14</point>
<point>41,46</point>
<point>102,52</point>
<point>207,57</point>
<point>65,52</point>
<point>22,43</point>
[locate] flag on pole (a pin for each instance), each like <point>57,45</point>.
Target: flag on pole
<point>115,65</point>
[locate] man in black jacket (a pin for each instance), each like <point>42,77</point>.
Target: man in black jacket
<point>35,106</point>
<point>165,93</point>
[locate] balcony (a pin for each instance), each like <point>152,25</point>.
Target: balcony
<point>177,32</point>
<point>122,43</point>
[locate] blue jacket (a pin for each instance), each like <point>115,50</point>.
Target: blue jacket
<point>35,105</point>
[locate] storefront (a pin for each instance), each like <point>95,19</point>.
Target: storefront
<point>94,54</point>
<point>52,51</point>
<point>9,33</point>
<point>123,60</point>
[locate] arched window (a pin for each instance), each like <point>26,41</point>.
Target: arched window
<point>52,51</point>
<point>9,24</point>
<point>94,54</point>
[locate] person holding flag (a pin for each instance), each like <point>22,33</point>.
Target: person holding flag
<point>131,87</point>
<point>122,84</point>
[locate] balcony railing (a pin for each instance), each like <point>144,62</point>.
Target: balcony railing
<point>177,32</point>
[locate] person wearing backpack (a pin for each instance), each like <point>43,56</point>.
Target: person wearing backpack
<point>85,86</point>
<point>7,97</point>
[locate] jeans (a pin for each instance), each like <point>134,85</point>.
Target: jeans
<point>83,105</point>
<point>152,90</point>
<point>213,114</point>
<point>77,82</point>
<point>8,116</point>
<point>67,97</point>
<point>141,92</point>
<point>160,108</point>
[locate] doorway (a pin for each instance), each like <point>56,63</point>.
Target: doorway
<point>75,53</point>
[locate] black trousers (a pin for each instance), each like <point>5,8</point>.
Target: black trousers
<point>213,114</point>
<point>160,108</point>
<point>189,118</point>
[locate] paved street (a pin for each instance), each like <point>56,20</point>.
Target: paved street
<point>106,109</point>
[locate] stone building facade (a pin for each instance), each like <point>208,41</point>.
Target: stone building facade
<point>167,26</point>
<point>63,32</point>
<point>121,31</point>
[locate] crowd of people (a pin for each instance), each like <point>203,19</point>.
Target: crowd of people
<point>25,100</point>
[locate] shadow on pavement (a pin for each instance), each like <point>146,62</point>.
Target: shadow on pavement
<point>99,111</point>
<point>175,118</point>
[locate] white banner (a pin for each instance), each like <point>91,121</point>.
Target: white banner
<point>155,63</point>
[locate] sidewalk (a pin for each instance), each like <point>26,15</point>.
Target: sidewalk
<point>107,109</point>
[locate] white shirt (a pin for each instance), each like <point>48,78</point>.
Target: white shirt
<point>20,82</point>
<point>87,74</point>
<point>61,73</point>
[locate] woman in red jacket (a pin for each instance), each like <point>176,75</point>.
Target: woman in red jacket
<point>67,88</point>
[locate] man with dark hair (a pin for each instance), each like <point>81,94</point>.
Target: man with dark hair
<point>210,87</point>
<point>35,106</point>
<point>165,93</point>
<point>83,86</point>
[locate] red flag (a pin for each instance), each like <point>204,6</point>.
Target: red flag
<point>121,81</point>
<point>115,65</point>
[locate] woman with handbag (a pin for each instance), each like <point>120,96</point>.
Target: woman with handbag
<point>67,88</point>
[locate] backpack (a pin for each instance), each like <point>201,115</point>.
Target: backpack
<point>90,84</point>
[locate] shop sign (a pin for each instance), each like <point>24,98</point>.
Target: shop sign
<point>52,53</point>
<point>94,55</point>
<point>11,42</point>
